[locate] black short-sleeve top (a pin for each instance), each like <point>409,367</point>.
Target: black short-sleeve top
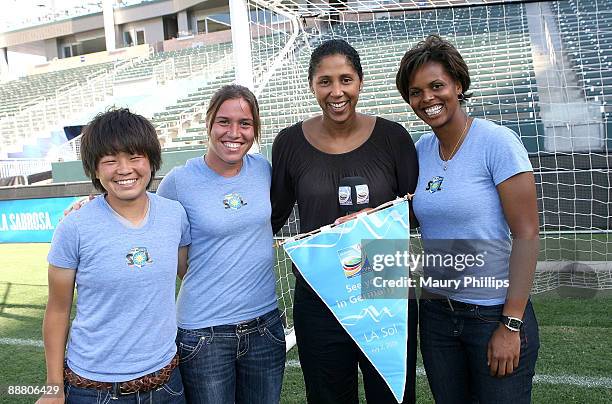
<point>387,160</point>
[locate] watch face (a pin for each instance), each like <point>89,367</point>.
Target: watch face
<point>514,323</point>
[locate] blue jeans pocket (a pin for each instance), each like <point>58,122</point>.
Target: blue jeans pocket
<point>489,314</point>
<point>275,332</point>
<point>190,344</point>
<point>78,395</point>
<point>174,386</point>
<point>493,315</point>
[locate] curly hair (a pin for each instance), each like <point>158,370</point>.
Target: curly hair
<point>433,49</point>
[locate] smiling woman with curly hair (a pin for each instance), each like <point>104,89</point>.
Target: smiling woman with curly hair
<point>476,184</point>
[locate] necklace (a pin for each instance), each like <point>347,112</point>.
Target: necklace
<point>444,159</point>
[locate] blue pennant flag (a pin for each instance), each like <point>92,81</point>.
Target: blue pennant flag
<point>333,264</point>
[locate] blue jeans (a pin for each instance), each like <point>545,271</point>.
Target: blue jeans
<point>170,393</point>
<point>240,363</point>
<point>454,349</point>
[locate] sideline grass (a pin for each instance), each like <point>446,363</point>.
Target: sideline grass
<point>576,335</point>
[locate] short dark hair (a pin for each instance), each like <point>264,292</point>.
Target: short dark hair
<point>334,47</point>
<point>114,131</point>
<point>433,49</point>
<point>233,92</point>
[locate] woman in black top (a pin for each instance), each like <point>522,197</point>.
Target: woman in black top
<point>309,159</point>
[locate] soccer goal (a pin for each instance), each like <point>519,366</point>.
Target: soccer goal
<point>543,69</point>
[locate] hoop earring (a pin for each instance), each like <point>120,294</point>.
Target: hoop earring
<point>461,97</point>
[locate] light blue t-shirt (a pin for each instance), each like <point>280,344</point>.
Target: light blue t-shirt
<point>125,324</point>
<point>462,202</point>
<point>231,257</point>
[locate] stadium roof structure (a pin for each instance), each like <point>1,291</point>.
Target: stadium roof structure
<point>126,12</point>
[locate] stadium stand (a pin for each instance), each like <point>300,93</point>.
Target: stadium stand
<point>185,61</point>
<point>182,124</point>
<point>496,48</point>
<point>46,89</point>
<point>23,92</point>
<point>589,45</point>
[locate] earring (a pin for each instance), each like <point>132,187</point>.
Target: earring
<point>460,97</point>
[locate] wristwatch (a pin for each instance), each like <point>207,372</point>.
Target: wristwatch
<point>512,323</point>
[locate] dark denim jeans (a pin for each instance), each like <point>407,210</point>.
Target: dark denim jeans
<point>170,393</point>
<point>454,349</point>
<point>241,363</point>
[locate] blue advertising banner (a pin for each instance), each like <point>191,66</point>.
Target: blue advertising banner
<point>332,263</point>
<point>31,220</point>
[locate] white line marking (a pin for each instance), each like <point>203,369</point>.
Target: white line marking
<point>582,381</point>
<point>21,342</point>
<point>572,380</point>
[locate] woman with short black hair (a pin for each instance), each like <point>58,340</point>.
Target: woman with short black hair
<point>308,161</point>
<point>122,251</point>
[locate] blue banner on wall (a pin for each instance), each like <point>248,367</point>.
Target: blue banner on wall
<point>332,263</point>
<point>31,220</point>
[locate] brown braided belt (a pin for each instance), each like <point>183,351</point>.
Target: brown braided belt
<point>145,383</point>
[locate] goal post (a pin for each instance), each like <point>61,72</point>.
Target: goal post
<point>542,69</point>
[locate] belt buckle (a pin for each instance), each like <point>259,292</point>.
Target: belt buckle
<point>117,392</point>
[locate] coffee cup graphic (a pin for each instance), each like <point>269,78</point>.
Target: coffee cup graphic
<point>351,266</point>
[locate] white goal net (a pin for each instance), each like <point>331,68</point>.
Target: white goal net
<point>543,69</point>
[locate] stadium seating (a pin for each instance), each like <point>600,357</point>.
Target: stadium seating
<point>496,48</point>
<point>18,94</point>
<point>194,104</point>
<point>33,90</point>
<point>185,61</point>
<point>494,41</point>
<point>588,42</point>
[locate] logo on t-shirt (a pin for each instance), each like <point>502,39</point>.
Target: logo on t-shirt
<point>138,257</point>
<point>233,201</point>
<point>435,184</point>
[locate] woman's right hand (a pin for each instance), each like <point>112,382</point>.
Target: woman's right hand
<point>78,204</point>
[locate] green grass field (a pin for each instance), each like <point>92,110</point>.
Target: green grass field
<point>575,363</point>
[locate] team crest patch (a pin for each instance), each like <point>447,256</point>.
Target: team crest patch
<point>233,201</point>
<point>138,257</point>
<point>435,184</point>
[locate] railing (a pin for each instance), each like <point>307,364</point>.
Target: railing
<point>69,151</point>
<point>209,73</point>
<point>69,100</point>
<point>164,72</point>
<point>172,68</point>
<point>12,167</point>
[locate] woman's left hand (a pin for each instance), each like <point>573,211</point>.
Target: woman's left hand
<point>503,351</point>
<point>346,218</point>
